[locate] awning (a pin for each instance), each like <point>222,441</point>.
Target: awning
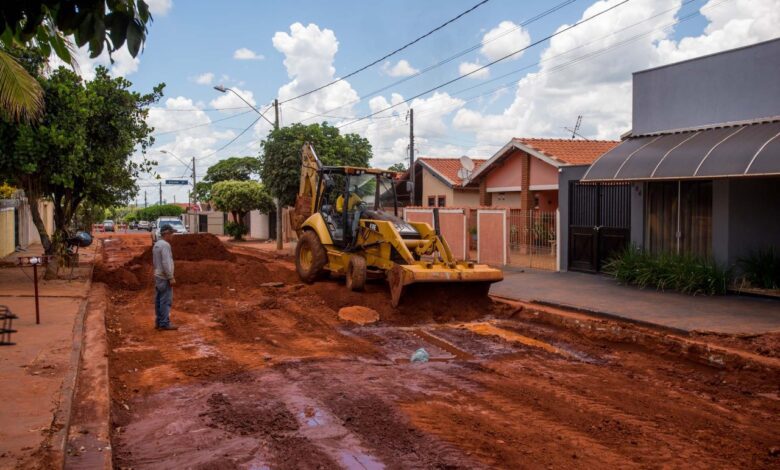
<point>733,151</point>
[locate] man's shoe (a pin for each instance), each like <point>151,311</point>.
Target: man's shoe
<point>169,327</point>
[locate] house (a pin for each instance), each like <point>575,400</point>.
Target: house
<point>702,160</point>
<point>524,173</point>
<point>441,186</point>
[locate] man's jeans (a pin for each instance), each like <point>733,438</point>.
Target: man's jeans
<point>162,302</point>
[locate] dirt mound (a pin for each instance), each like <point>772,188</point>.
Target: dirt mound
<point>421,303</point>
<point>192,247</point>
<point>359,315</point>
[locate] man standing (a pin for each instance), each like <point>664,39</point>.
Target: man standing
<point>163,279</point>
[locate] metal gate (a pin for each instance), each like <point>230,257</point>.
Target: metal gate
<point>599,223</point>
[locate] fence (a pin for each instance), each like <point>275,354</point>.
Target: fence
<point>533,239</point>
<point>452,224</point>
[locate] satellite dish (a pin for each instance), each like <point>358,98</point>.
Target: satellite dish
<point>463,174</point>
<point>467,163</point>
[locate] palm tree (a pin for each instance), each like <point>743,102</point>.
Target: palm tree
<point>21,96</point>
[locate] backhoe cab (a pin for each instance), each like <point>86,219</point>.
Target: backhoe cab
<point>348,224</point>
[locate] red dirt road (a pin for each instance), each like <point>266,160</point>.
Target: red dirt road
<point>270,377</point>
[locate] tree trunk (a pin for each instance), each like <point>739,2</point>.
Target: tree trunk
<point>39,225</point>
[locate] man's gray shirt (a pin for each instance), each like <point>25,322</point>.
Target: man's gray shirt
<point>163,259</point>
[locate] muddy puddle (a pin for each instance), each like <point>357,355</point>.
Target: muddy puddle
<point>271,377</point>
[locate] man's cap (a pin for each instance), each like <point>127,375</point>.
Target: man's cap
<point>166,228</point>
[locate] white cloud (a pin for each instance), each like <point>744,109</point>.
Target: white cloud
<point>468,67</point>
<point>204,78</point>
<point>599,86</point>
<point>247,54</point>
<point>159,7</point>
<point>190,133</point>
<point>308,56</point>
<point>401,69</point>
<point>389,131</point>
<point>504,39</point>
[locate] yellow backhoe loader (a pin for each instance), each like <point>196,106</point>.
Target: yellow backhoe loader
<point>347,223</point>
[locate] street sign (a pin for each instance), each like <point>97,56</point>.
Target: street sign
<point>185,182</point>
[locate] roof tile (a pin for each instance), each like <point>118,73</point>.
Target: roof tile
<point>448,167</point>
<point>568,151</point>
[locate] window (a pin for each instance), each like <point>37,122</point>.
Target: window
<point>678,217</point>
<point>431,201</point>
<point>442,201</point>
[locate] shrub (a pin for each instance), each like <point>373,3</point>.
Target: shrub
<point>236,230</point>
<point>762,268</point>
<point>684,273</point>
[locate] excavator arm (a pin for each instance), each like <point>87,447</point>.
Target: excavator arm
<point>307,197</point>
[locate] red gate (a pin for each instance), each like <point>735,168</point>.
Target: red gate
<point>452,226</point>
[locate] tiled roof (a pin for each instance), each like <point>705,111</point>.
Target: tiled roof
<point>568,151</point>
<point>448,168</point>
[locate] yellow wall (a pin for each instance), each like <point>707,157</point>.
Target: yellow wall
<point>6,231</point>
<point>433,186</point>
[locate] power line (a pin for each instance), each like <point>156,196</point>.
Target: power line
<point>489,64</point>
<point>389,54</point>
<point>203,124</point>
<point>202,109</point>
<point>454,56</point>
<point>589,55</point>
<point>231,141</point>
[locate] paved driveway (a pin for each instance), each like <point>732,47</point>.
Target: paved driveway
<point>601,294</point>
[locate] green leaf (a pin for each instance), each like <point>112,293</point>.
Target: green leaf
<point>135,38</point>
<point>21,96</point>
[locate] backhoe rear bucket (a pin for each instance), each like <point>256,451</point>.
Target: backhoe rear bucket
<point>477,276</point>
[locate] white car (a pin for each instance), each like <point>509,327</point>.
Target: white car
<point>176,223</point>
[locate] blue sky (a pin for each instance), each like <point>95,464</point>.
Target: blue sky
<point>297,45</point>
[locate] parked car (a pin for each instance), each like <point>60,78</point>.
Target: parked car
<point>144,225</point>
<point>108,225</point>
<point>133,225</point>
<point>174,222</point>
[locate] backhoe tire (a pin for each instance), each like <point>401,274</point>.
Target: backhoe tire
<point>310,257</point>
<point>356,273</point>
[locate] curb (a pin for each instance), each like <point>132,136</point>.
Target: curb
<point>650,336</point>
<point>62,415</point>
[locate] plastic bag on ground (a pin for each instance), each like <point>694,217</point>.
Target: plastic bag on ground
<point>421,355</point>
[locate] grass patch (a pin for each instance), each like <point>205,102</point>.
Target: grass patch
<point>683,273</point>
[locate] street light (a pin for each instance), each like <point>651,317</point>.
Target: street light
<point>222,89</point>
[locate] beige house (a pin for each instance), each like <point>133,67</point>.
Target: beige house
<point>441,186</point>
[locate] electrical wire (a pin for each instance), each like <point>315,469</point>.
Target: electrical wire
<point>387,55</point>
<point>449,82</point>
<point>202,125</point>
<point>452,57</point>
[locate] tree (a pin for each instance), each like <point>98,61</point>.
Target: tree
<point>151,213</point>
<point>280,160</point>
<point>398,167</point>
<point>240,197</point>
<point>81,148</point>
<point>47,25</point>
<point>229,169</point>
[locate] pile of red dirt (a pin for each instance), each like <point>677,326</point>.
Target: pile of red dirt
<point>191,247</point>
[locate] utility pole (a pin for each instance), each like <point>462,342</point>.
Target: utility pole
<point>411,155</point>
<point>279,244</point>
<point>161,193</point>
<point>145,203</point>
<point>192,194</point>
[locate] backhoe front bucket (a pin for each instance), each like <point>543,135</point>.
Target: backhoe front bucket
<point>477,276</point>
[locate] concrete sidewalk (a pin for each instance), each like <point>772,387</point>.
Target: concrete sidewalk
<point>603,295</point>
<point>37,374</point>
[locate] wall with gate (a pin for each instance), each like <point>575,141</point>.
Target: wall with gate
<point>452,225</point>
<point>492,239</point>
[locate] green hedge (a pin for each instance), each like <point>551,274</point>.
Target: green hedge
<point>683,273</point>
